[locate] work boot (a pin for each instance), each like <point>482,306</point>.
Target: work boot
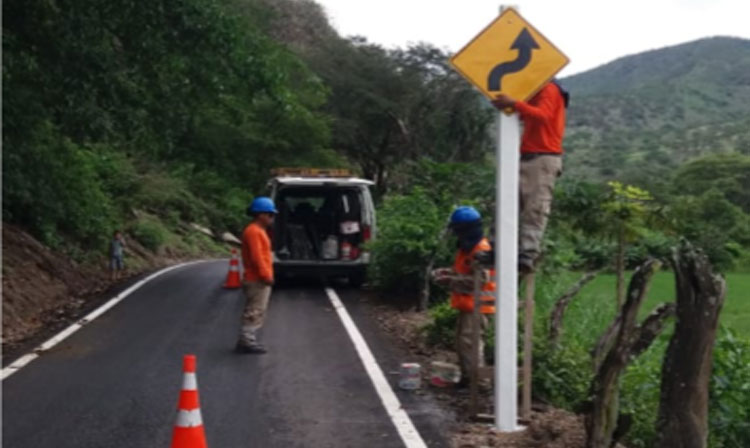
<point>255,349</point>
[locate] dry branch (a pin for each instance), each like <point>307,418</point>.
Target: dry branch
<point>561,305</point>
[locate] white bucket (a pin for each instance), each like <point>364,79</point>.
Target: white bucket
<point>410,377</point>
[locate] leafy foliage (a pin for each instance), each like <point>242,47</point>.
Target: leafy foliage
<point>730,392</point>
<point>409,232</point>
<point>104,101</point>
<point>726,173</point>
<point>442,330</point>
<point>149,232</point>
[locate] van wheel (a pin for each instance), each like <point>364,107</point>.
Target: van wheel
<point>357,280</point>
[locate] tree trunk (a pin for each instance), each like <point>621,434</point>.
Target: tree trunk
<point>556,319</point>
<point>424,296</point>
<point>604,344</point>
<point>683,410</point>
<point>605,389</point>
<point>620,268</point>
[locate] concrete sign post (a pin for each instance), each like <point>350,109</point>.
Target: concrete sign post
<point>511,57</point>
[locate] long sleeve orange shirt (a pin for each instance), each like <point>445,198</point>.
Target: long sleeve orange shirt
<point>543,121</point>
<point>257,259</point>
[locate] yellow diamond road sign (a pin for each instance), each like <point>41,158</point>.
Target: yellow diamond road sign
<point>509,56</point>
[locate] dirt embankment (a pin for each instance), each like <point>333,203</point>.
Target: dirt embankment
<point>548,427</point>
<point>43,288</point>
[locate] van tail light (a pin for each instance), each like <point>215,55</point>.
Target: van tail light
<point>366,233</point>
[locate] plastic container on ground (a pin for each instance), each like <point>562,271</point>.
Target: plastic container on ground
<point>444,374</point>
<point>410,377</point>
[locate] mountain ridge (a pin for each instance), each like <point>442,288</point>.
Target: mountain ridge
<point>666,105</point>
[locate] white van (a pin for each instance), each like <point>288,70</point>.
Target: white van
<point>325,219</point>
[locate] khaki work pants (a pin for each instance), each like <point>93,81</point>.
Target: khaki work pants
<point>538,176</point>
<point>256,303</point>
<point>464,334</point>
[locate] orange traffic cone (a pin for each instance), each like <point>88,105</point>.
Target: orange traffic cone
<point>188,429</point>
<point>233,277</point>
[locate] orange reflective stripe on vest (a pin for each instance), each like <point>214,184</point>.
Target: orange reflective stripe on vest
<point>465,302</point>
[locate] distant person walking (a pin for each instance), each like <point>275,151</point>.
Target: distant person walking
<point>541,164</point>
<point>258,277</point>
<point>116,253</point>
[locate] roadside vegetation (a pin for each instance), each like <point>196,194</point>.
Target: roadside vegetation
<point>584,234</point>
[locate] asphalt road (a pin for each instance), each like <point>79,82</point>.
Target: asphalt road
<point>115,383</point>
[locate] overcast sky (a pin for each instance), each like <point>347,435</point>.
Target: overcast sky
<point>590,32</point>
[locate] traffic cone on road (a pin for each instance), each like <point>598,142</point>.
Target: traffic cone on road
<point>188,429</point>
<point>233,277</point>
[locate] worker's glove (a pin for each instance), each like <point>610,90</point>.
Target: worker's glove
<point>503,102</point>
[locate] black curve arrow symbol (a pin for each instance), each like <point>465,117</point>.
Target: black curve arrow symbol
<point>525,44</point>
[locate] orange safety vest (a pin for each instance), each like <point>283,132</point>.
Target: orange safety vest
<point>465,302</point>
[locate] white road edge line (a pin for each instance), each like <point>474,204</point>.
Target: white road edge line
<point>409,434</point>
<point>61,336</point>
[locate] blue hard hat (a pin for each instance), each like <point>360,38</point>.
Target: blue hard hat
<point>262,204</point>
<point>465,214</point>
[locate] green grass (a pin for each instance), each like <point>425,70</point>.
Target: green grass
<point>563,375</point>
<point>601,290</point>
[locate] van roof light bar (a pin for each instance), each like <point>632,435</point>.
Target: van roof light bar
<point>311,172</point>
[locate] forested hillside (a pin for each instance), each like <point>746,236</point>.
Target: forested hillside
<point>180,110</point>
<point>641,116</point>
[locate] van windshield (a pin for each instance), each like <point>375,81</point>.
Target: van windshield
<point>318,223</point>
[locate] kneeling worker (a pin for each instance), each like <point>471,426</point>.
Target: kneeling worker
<point>257,280</point>
<point>466,224</point>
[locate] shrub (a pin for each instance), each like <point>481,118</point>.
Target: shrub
<point>442,330</point>
<point>150,232</point>
<point>561,375</point>
<point>729,412</point>
<point>409,230</point>
<point>55,188</point>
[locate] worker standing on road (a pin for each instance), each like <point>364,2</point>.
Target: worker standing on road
<point>466,224</point>
<point>541,164</point>
<point>258,277</point>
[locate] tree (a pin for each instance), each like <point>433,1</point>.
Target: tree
<point>727,173</point>
<point>187,89</point>
<point>713,223</point>
<point>389,107</point>
<point>625,212</point>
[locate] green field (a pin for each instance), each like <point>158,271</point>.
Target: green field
<point>563,376</point>
<point>735,315</point>
<point>593,309</point>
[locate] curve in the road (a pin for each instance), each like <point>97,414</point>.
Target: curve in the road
<point>114,383</point>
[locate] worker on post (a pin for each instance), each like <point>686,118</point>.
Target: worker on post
<point>466,224</point>
<point>541,164</point>
<point>258,277</point>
